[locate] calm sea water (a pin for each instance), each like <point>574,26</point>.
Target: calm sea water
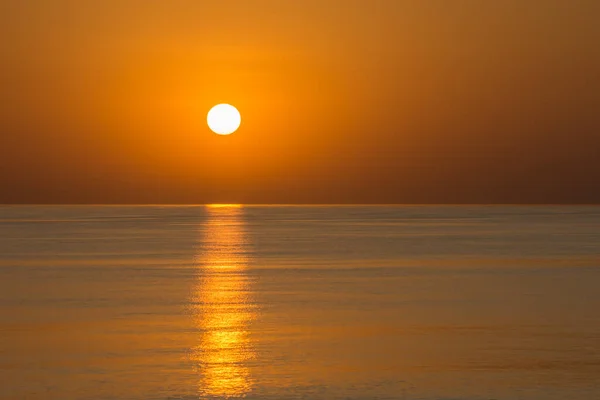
<point>415,302</point>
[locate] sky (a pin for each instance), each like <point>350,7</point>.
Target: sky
<point>342,101</point>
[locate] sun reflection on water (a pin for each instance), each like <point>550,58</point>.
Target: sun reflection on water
<point>224,307</point>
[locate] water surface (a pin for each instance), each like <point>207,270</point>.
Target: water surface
<point>273,302</point>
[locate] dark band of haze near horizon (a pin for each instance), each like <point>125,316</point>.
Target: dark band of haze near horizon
<point>342,101</point>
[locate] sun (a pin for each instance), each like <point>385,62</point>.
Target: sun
<point>223,119</point>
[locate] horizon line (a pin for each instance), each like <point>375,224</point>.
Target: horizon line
<point>291,204</point>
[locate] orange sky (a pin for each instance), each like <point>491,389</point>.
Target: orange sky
<point>342,101</point>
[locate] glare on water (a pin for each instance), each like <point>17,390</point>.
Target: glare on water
<point>223,310</point>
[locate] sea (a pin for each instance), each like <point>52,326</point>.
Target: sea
<point>299,302</point>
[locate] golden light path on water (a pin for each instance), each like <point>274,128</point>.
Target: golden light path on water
<point>223,306</point>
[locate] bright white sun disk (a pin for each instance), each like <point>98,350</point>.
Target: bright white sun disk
<point>223,119</point>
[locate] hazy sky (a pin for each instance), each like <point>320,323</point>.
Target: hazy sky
<point>342,101</point>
